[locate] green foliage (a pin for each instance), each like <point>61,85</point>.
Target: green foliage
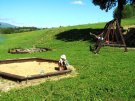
<point>128,11</point>
<point>105,4</point>
<point>108,4</point>
<point>6,30</point>
<point>109,76</point>
<point>16,30</point>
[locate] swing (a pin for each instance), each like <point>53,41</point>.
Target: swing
<point>112,36</point>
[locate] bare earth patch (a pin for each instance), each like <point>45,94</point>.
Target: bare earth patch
<point>131,26</point>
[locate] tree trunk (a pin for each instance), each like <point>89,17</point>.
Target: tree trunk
<point>133,2</point>
<point>120,9</point>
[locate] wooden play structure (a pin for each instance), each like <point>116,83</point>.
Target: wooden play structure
<point>110,36</point>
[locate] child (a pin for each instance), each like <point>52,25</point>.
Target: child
<point>63,64</point>
<point>99,40</point>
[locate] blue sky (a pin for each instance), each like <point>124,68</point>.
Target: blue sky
<point>51,13</point>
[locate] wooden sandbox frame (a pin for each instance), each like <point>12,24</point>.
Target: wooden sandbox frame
<point>19,78</point>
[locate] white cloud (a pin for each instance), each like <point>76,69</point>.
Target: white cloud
<point>78,2</point>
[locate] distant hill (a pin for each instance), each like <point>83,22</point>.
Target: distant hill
<point>6,25</point>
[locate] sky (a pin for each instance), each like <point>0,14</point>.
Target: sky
<point>52,13</point>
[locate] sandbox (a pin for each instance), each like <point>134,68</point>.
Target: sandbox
<point>29,68</point>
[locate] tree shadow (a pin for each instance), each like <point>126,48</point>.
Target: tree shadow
<point>84,35</point>
<point>130,37</point>
<point>78,34</point>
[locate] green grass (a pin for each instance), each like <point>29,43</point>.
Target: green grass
<point>109,76</point>
<point>129,21</point>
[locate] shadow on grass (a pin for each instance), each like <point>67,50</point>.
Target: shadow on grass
<point>78,34</point>
<point>84,35</point>
<point>130,37</point>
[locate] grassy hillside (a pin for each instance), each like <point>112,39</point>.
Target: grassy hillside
<point>109,76</point>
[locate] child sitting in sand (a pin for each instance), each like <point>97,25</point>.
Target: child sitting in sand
<point>99,41</point>
<point>63,63</point>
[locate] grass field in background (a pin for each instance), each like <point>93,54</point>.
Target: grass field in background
<point>108,76</point>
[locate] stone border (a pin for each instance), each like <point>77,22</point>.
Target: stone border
<point>27,50</point>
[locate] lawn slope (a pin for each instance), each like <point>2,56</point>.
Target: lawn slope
<point>109,76</point>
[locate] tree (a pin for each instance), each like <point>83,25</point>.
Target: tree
<point>108,4</point>
<point>128,11</point>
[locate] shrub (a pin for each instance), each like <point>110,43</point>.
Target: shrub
<point>128,11</point>
<point>16,30</point>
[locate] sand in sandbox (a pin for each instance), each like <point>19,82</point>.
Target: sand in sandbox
<point>28,68</point>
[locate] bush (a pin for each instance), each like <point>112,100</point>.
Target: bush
<point>128,12</point>
<point>16,30</point>
<point>6,30</point>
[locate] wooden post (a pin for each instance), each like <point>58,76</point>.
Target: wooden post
<point>99,47</point>
<point>119,29</point>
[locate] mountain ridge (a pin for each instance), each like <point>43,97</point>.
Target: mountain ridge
<point>6,25</point>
